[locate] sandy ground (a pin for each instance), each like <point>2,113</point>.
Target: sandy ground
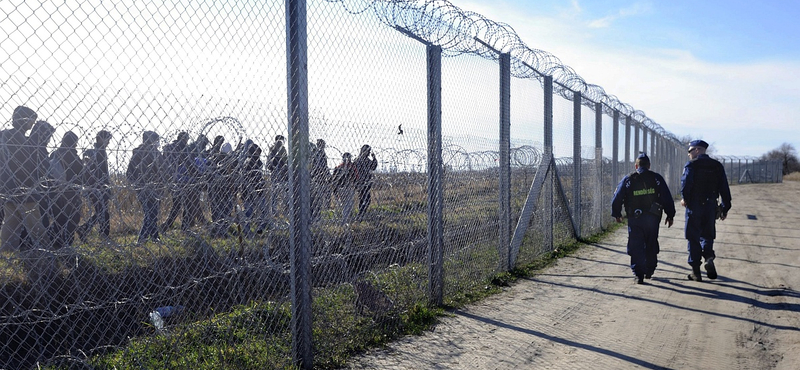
<point>586,313</point>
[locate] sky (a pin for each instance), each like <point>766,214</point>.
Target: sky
<point>725,71</point>
<point>722,71</point>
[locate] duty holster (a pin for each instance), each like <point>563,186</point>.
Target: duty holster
<point>656,209</point>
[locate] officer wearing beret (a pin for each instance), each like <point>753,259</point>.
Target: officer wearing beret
<point>702,183</point>
<point>645,196</point>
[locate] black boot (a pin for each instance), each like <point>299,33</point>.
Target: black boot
<point>711,270</point>
<point>696,275</point>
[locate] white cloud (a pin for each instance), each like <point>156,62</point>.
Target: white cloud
<point>604,22</point>
<point>576,6</point>
<point>635,9</point>
<point>745,108</point>
<point>741,108</point>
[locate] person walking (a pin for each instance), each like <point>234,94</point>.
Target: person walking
<point>222,186</point>
<point>320,180</point>
<point>645,196</point>
<point>344,179</point>
<point>278,166</point>
<point>66,168</point>
<point>365,163</point>
<point>97,181</point>
<point>145,173</point>
<point>178,162</point>
<point>22,168</point>
<point>703,182</point>
<point>197,182</point>
<point>254,192</point>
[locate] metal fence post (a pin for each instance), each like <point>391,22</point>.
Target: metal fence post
<point>659,144</point>
<point>655,151</point>
<point>653,147</point>
<point>615,148</point>
<point>678,154</point>
<point>300,240</point>
<point>435,180</point>
<point>598,163</point>
<point>636,141</point>
<point>505,161</point>
<point>548,154</point>
<point>576,163</point>
<point>644,140</point>
<point>739,172</point>
<point>627,142</point>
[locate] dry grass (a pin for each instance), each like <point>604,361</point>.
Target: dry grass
<point>794,176</point>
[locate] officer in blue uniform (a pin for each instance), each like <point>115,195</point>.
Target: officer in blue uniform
<point>702,183</point>
<point>646,197</point>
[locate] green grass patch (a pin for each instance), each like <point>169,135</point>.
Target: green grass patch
<point>256,336</point>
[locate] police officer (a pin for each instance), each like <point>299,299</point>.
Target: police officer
<point>645,196</point>
<point>703,181</point>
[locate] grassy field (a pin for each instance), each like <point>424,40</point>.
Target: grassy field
<point>370,283</point>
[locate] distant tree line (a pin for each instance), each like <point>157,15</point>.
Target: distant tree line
<point>787,154</point>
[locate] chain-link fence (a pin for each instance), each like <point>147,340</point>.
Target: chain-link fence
<point>747,170</point>
<point>259,185</point>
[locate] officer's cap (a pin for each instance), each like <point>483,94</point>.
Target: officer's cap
<point>700,143</point>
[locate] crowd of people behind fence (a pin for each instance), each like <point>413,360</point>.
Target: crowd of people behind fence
<point>43,193</point>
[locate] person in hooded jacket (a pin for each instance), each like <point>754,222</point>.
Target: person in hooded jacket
<point>222,186</point>
<point>254,190</point>
<point>365,163</point>
<point>24,166</point>
<point>197,182</point>
<point>320,180</point>
<point>97,181</point>
<point>344,179</point>
<point>178,162</point>
<point>65,192</point>
<point>145,173</point>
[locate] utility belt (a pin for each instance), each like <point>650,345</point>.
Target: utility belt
<point>655,209</point>
<point>707,199</point>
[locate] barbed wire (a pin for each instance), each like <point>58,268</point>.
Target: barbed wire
<point>459,31</point>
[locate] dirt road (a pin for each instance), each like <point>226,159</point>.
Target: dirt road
<point>586,313</point>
